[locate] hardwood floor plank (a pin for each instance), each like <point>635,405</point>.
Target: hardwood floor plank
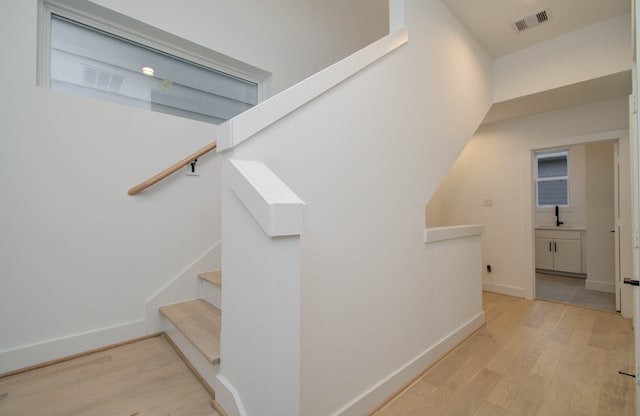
<point>505,391</point>
<point>488,409</point>
<point>200,322</point>
<point>471,396</point>
<point>215,278</point>
<point>600,331</point>
<point>412,400</point>
<point>589,383</point>
<point>146,377</point>
<point>522,408</point>
<point>521,338</point>
<point>531,358</point>
<point>548,360</point>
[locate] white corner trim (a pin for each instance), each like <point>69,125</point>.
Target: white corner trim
<point>277,209</point>
<point>53,349</point>
<point>371,398</point>
<point>224,134</point>
<point>229,397</point>
<point>600,286</point>
<point>246,124</point>
<point>503,289</point>
<point>396,15</point>
<point>432,235</point>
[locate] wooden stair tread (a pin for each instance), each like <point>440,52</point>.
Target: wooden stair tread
<point>200,322</point>
<point>215,278</point>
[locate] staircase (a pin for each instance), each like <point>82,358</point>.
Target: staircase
<point>325,142</point>
<point>193,327</point>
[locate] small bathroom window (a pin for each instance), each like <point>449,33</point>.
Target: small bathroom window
<point>552,178</point>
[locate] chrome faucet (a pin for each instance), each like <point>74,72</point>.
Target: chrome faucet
<point>558,222</point>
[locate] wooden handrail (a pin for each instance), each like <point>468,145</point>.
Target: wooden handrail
<point>171,169</point>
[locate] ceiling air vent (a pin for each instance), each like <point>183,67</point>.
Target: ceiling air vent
<point>532,20</point>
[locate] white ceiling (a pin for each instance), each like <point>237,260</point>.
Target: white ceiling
<point>490,21</point>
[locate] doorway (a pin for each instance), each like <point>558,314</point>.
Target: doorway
<point>594,220</point>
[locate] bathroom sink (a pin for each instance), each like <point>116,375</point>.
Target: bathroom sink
<point>562,227</point>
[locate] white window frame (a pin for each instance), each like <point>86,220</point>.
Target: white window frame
<point>125,27</point>
<point>541,155</point>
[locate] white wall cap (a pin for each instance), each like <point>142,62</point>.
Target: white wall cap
<point>432,235</point>
<point>277,209</point>
<point>243,126</point>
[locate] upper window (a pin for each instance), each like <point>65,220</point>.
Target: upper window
<point>552,178</point>
<point>93,62</point>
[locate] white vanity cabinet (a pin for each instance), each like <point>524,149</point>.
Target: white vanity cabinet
<point>559,250</point>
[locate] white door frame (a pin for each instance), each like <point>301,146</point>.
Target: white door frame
<point>634,143</point>
<point>616,222</point>
<point>528,194</point>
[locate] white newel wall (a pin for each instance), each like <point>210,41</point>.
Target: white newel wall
<point>260,341</point>
<point>377,304</point>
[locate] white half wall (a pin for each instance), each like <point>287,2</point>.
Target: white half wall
<point>260,338</point>
<point>497,165</point>
<point>365,157</point>
<point>592,52</point>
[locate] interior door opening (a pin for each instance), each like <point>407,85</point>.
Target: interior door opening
<point>577,259</point>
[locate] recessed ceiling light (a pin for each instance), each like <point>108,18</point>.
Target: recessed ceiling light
<point>148,71</point>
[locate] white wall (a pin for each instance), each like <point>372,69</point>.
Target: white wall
<point>594,51</point>
<point>290,38</point>
<point>496,164</point>
<point>600,216</point>
<point>78,256</point>
<point>433,210</point>
<point>366,157</point>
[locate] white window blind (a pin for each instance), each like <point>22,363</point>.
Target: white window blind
<point>552,179</point>
<point>91,62</point>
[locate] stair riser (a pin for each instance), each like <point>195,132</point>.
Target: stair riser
<point>206,370</point>
<point>211,293</point>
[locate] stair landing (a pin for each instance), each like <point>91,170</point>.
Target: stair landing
<point>215,278</point>
<point>200,322</point>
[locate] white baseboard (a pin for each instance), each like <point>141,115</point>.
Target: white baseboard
<point>228,397</point>
<point>503,289</point>
<point>600,286</point>
<point>391,384</point>
<point>33,354</point>
<point>184,286</point>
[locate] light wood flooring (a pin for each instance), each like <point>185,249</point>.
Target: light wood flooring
<point>200,322</point>
<point>531,358</point>
<point>142,378</point>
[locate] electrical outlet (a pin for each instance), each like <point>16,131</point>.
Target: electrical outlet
<point>487,202</point>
